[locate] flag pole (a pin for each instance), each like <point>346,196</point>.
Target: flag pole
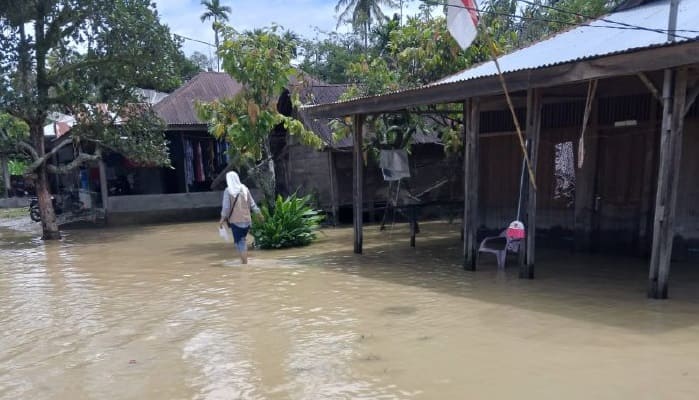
<point>493,53</point>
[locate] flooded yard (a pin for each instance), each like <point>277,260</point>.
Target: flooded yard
<point>167,312</point>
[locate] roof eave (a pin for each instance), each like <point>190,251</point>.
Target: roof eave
<point>627,63</point>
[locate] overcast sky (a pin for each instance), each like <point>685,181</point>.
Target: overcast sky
<point>300,16</point>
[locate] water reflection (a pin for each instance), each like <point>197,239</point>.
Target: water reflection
<point>167,312</point>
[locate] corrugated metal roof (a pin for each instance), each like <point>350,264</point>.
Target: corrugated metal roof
<point>178,107</point>
<point>586,42</point>
<point>594,40</point>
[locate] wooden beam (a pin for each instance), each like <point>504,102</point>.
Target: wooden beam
<point>651,87</point>
<point>471,128</point>
<point>413,225</point>
<point>533,129</point>
<point>104,190</point>
<point>674,99</point>
<point>358,182</point>
<point>573,72</point>
<point>333,187</point>
<point>691,98</point>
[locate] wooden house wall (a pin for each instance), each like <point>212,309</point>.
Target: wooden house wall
<point>428,166</point>
<point>305,171</point>
<point>624,179</point>
<point>687,219</point>
<point>500,175</point>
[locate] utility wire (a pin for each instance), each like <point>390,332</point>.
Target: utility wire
<point>193,40</point>
<point>609,21</point>
<point>572,24</point>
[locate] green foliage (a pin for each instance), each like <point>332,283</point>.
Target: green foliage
<point>422,51</point>
<point>12,131</point>
<point>218,13</point>
<point>261,62</point>
<point>291,222</point>
<point>17,167</point>
<point>202,61</point>
<point>360,14</point>
<point>82,53</point>
<point>327,58</point>
<point>551,16</point>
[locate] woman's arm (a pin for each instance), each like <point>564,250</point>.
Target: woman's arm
<point>225,208</point>
<point>253,205</point>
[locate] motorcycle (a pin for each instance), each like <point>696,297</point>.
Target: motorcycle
<point>71,200</point>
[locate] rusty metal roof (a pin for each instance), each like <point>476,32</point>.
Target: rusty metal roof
<point>178,107</point>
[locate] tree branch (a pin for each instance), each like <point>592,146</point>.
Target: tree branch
<point>41,160</point>
<point>62,72</point>
<point>28,148</point>
<point>78,161</point>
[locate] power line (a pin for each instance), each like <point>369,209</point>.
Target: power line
<point>609,21</point>
<point>193,40</point>
<point>572,24</point>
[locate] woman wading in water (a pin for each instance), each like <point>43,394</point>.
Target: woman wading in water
<point>235,211</point>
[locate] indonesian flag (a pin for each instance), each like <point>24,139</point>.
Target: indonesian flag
<point>462,20</point>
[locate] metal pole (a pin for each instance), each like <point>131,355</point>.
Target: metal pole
<point>672,22</point>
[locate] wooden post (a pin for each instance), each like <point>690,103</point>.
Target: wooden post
<point>645,226</point>
<point>471,116</point>
<point>533,129</point>
<point>413,225</point>
<point>184,158</point>
<point>333,186</point>
<point>585,186</point>
<point>358,182</point>
<point>103,187</point>
<point>5,175</point>
<point>674,97</point>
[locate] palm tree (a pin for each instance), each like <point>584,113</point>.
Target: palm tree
<point>363,13</point>
<point>219,13</point>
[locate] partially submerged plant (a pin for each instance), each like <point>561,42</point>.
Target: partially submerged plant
<point>289,222</point>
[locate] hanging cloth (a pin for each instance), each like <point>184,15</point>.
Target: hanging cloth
<point>188,162</point>
<point>198,165</point>
<point>394,164</point>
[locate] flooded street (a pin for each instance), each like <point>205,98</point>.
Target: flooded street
<point>167,312</point>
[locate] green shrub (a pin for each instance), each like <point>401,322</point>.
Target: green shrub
<point>17,167</point>
<point>291,222</point>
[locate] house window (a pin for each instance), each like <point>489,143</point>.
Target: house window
<point>564,173</point>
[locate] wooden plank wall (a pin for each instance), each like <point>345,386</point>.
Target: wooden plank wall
<point>500,169</point>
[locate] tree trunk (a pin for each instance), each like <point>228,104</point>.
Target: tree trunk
<point>269,187</point>
<point>48,215</point>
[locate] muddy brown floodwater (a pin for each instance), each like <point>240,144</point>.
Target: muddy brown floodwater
<point>166,312</point>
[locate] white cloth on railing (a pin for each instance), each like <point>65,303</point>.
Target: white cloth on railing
<point>394,164</point>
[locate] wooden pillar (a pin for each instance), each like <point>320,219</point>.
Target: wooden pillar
<point>104,190</point>
<point>358,182</point>
<point>674,97</point>
<point>184,158</point>
<point>471,116</point>
<point>645,230</point>
<point>533,128</point>
<point>5,175</point>
<point>585,178</point>
<point>413,225</point>
<point>333,186</point>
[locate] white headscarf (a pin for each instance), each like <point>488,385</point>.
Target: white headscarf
<point>234,186</point>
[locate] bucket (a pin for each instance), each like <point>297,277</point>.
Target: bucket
<point>515,230</point>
